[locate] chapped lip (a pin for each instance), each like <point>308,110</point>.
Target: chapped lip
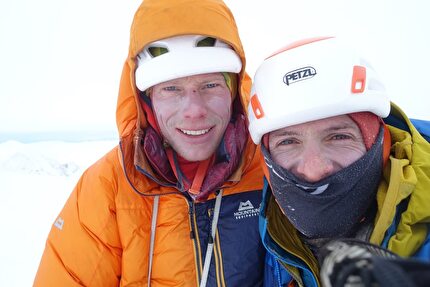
<point>194,132</point>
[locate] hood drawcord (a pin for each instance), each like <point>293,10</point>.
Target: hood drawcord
<point>152,241</point>
<point>210,248</point>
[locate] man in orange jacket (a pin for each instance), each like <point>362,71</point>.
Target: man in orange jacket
<point>177,202</point>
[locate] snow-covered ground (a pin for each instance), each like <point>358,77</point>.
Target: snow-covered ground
<point>35,182</point>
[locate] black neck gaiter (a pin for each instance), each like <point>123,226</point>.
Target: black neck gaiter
<point>334,205</point>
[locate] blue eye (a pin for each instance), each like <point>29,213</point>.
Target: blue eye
<point>341,137</point>
<point>287,142</point>
<point>170,88</point>
<point>212,85</point>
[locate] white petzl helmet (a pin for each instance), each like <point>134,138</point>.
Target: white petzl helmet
<point>310,80</point>
<point>183,56</point>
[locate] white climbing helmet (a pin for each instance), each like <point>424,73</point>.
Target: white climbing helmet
<point>182,56</point>
<point>310,80</point>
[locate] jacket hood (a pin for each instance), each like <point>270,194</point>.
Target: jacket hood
<point>159,19</point>
<point>155,20</point>
<point>407,179</point>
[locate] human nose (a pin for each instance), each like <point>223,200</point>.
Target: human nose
<point>314,165</point>
<point>195,106</point>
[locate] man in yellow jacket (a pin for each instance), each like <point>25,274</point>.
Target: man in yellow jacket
<point>177,202</point>
<point>335,163</point>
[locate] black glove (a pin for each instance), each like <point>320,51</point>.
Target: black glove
<point>355,263</point>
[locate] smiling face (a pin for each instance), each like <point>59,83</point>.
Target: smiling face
<point>193,113</point>
<point>317,149</point>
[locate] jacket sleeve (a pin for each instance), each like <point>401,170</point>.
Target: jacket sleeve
<point>83,247</point>
<point>423,252</point>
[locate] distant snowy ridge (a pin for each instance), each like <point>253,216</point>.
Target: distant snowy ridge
<point>38,164</point>
<point>66,136</point>
<point>53,158</point>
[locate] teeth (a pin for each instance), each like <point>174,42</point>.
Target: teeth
<point>195,133</point>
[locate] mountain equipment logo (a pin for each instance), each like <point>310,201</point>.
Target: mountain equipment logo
<point>246,209</point>
<point>245,206</point>
<point>299,75</point>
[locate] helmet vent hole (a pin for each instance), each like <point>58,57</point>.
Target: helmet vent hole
<point>206,42</point>
<point>157,51</point>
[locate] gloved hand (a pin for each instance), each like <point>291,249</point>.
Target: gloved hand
<point>355,263</point>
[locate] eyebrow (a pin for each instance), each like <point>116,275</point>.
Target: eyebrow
<point>286,133</point>
<point>335,127</point>
<point>213,78</point>
<point>204,80</point>
<point>342,126</point>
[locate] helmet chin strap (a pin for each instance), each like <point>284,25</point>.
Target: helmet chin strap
<point>146,104</point>
<point>199,176</point>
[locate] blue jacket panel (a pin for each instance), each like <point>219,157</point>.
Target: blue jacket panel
<point>238,241</point>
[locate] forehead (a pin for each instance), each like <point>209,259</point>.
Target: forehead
<point>196,78</point>
<point>332,123</point>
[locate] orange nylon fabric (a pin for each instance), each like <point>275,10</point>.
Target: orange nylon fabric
<point>102,235</point>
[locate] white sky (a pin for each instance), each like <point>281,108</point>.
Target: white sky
<point>60,61</point>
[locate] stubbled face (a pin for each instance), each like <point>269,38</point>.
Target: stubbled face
<point>193,113</point>
<point>317,149</point>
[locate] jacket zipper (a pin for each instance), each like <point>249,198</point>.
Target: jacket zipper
<point>194,236</point>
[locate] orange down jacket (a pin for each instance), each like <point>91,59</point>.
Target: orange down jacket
<point>102,235</point>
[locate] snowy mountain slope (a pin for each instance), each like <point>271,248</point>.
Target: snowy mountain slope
<point>35,182</point>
